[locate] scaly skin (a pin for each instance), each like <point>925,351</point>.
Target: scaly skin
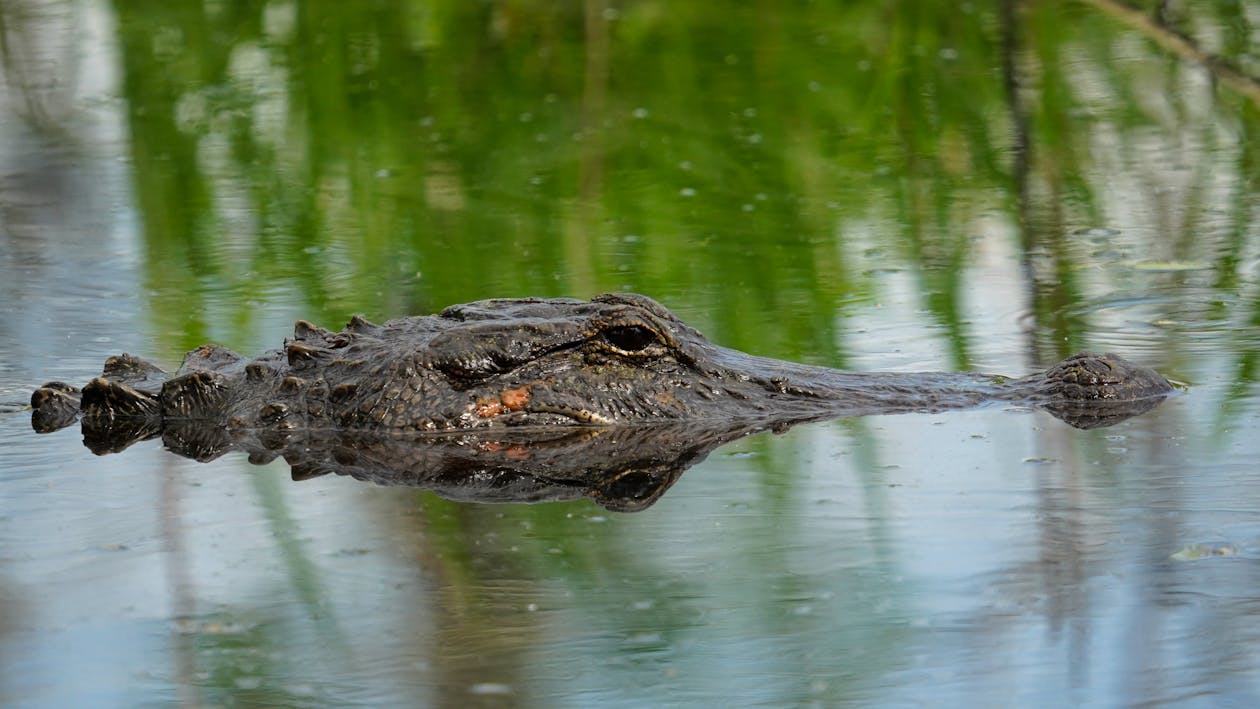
<point>617,359</point>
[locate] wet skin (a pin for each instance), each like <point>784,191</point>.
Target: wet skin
<point>528,400</point>
<point>616,359</point>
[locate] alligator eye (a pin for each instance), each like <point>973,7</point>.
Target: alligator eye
<point>629,338</point>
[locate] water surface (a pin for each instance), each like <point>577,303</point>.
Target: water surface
<point>927,187</point>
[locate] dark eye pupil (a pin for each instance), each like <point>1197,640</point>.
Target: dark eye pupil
<point>630,338</point>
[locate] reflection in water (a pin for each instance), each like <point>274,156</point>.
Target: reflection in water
<point>826,182</point>
<point>655,394</point>
<point>623,468</point>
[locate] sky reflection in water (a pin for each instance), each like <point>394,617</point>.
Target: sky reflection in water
<point>836,186</point>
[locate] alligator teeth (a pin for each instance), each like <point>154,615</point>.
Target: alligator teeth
<point>582,415</point>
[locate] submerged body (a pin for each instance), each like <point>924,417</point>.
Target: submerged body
<point>617,359</point>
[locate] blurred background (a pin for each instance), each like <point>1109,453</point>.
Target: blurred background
<point>868,184</point>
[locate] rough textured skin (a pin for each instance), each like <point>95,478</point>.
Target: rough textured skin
<point>619,358</point>
<point>527,400</point>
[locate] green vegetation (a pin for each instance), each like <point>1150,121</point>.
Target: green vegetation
<point>391,158</point>
<point>759,167</point>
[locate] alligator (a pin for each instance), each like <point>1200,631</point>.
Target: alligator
<point>539,370</point>
<point>616,359</point>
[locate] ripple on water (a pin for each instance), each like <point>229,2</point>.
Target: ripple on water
<point>1161,324</point>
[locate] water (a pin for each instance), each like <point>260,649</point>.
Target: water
<point>835,186</point>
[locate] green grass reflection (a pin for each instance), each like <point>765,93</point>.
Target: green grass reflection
<point>743,162</point>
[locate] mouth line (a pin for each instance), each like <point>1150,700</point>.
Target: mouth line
<point>581,416</point>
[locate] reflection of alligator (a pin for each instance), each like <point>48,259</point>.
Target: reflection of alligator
<point>529,364</point>
<point>623,468</point>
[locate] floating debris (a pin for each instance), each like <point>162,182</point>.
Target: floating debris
<point>1202,551</point>
<point>1169,266</point>
<point>1097,232</point>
